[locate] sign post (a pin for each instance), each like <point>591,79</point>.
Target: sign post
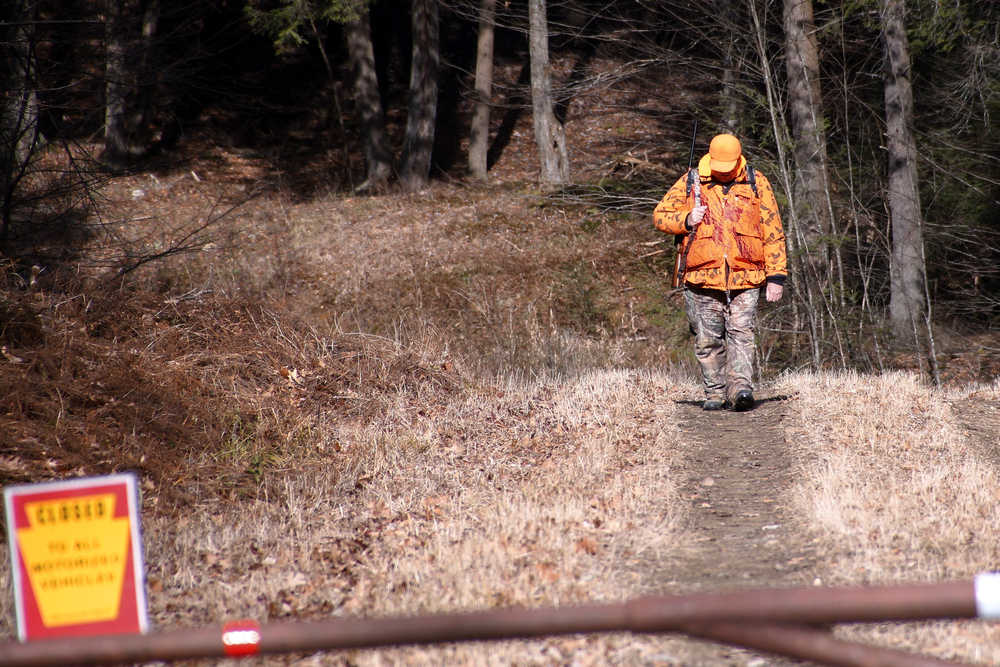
<point>76,557</point>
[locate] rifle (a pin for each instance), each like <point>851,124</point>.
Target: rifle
<point>680,257</point>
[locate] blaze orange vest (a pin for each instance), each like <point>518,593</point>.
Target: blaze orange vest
<point>740,242</point>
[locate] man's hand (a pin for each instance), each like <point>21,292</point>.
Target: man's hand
<point>773,291</point>
<point>696,215</point>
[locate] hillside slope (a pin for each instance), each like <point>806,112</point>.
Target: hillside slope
<point>468,397</point>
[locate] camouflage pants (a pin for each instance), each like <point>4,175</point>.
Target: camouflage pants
<point>724,338</point>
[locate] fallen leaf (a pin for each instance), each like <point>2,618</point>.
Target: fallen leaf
<point>548,572</point>
<point>586,545</point>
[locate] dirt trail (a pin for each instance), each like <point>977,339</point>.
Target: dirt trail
<point>737,468</point>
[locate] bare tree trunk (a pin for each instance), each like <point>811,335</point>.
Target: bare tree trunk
<point>419,142</point>
<point>812,313</point>
<point>806,104</point>
<point>130,78</point>
<point>549,133</point>
<point>479,134</point>
<point>19,114</point>
<point>115,85</point>
<point>906,304</point>
<point>731,106</point>
<point>148,70</point>
<point>378,158</point>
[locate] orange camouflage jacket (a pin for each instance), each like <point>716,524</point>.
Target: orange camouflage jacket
<point>740,242</point>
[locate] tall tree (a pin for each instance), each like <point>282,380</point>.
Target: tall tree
<point>368,102</point>
<point>130,72</point>
<point>148,68</point>
<point>116,148</point>
<point>19,132</point>
<point>907,289</point>
<point>809,138</point>
<point>550,136</point>
<point>479,134</point>
<point>419,141</point>
<point>729,14</point>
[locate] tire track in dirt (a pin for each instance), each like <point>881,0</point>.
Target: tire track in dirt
<point>736,469</point>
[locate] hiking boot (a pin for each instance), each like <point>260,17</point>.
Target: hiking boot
<point>713,404</point>
<point>743,400</point>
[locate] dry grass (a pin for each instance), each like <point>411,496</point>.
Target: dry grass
<point>896,492</point>
<point>540,494</point>
<point>509,283</point>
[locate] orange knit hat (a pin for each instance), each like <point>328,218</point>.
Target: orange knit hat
<point>725,151</point>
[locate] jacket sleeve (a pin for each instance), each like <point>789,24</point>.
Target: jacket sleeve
<point>775,255</point>
<point>670,214</point>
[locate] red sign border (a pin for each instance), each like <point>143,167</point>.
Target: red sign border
<point>132,617</point>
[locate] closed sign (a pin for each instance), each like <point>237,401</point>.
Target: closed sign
<point>76,557</point>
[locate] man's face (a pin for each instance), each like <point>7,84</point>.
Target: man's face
<point>727,176</point>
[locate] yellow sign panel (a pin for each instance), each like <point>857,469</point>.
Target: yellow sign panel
<point>75,553</point>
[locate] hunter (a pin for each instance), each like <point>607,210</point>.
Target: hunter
<point>733,245</point>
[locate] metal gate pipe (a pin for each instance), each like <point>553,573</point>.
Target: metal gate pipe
<point>665,613</point>
<point>498,624</point>
<point>817,646</point>
<point>808,606</point>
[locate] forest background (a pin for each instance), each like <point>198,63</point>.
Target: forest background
<point>884,157</point>
<point>233,232</point>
